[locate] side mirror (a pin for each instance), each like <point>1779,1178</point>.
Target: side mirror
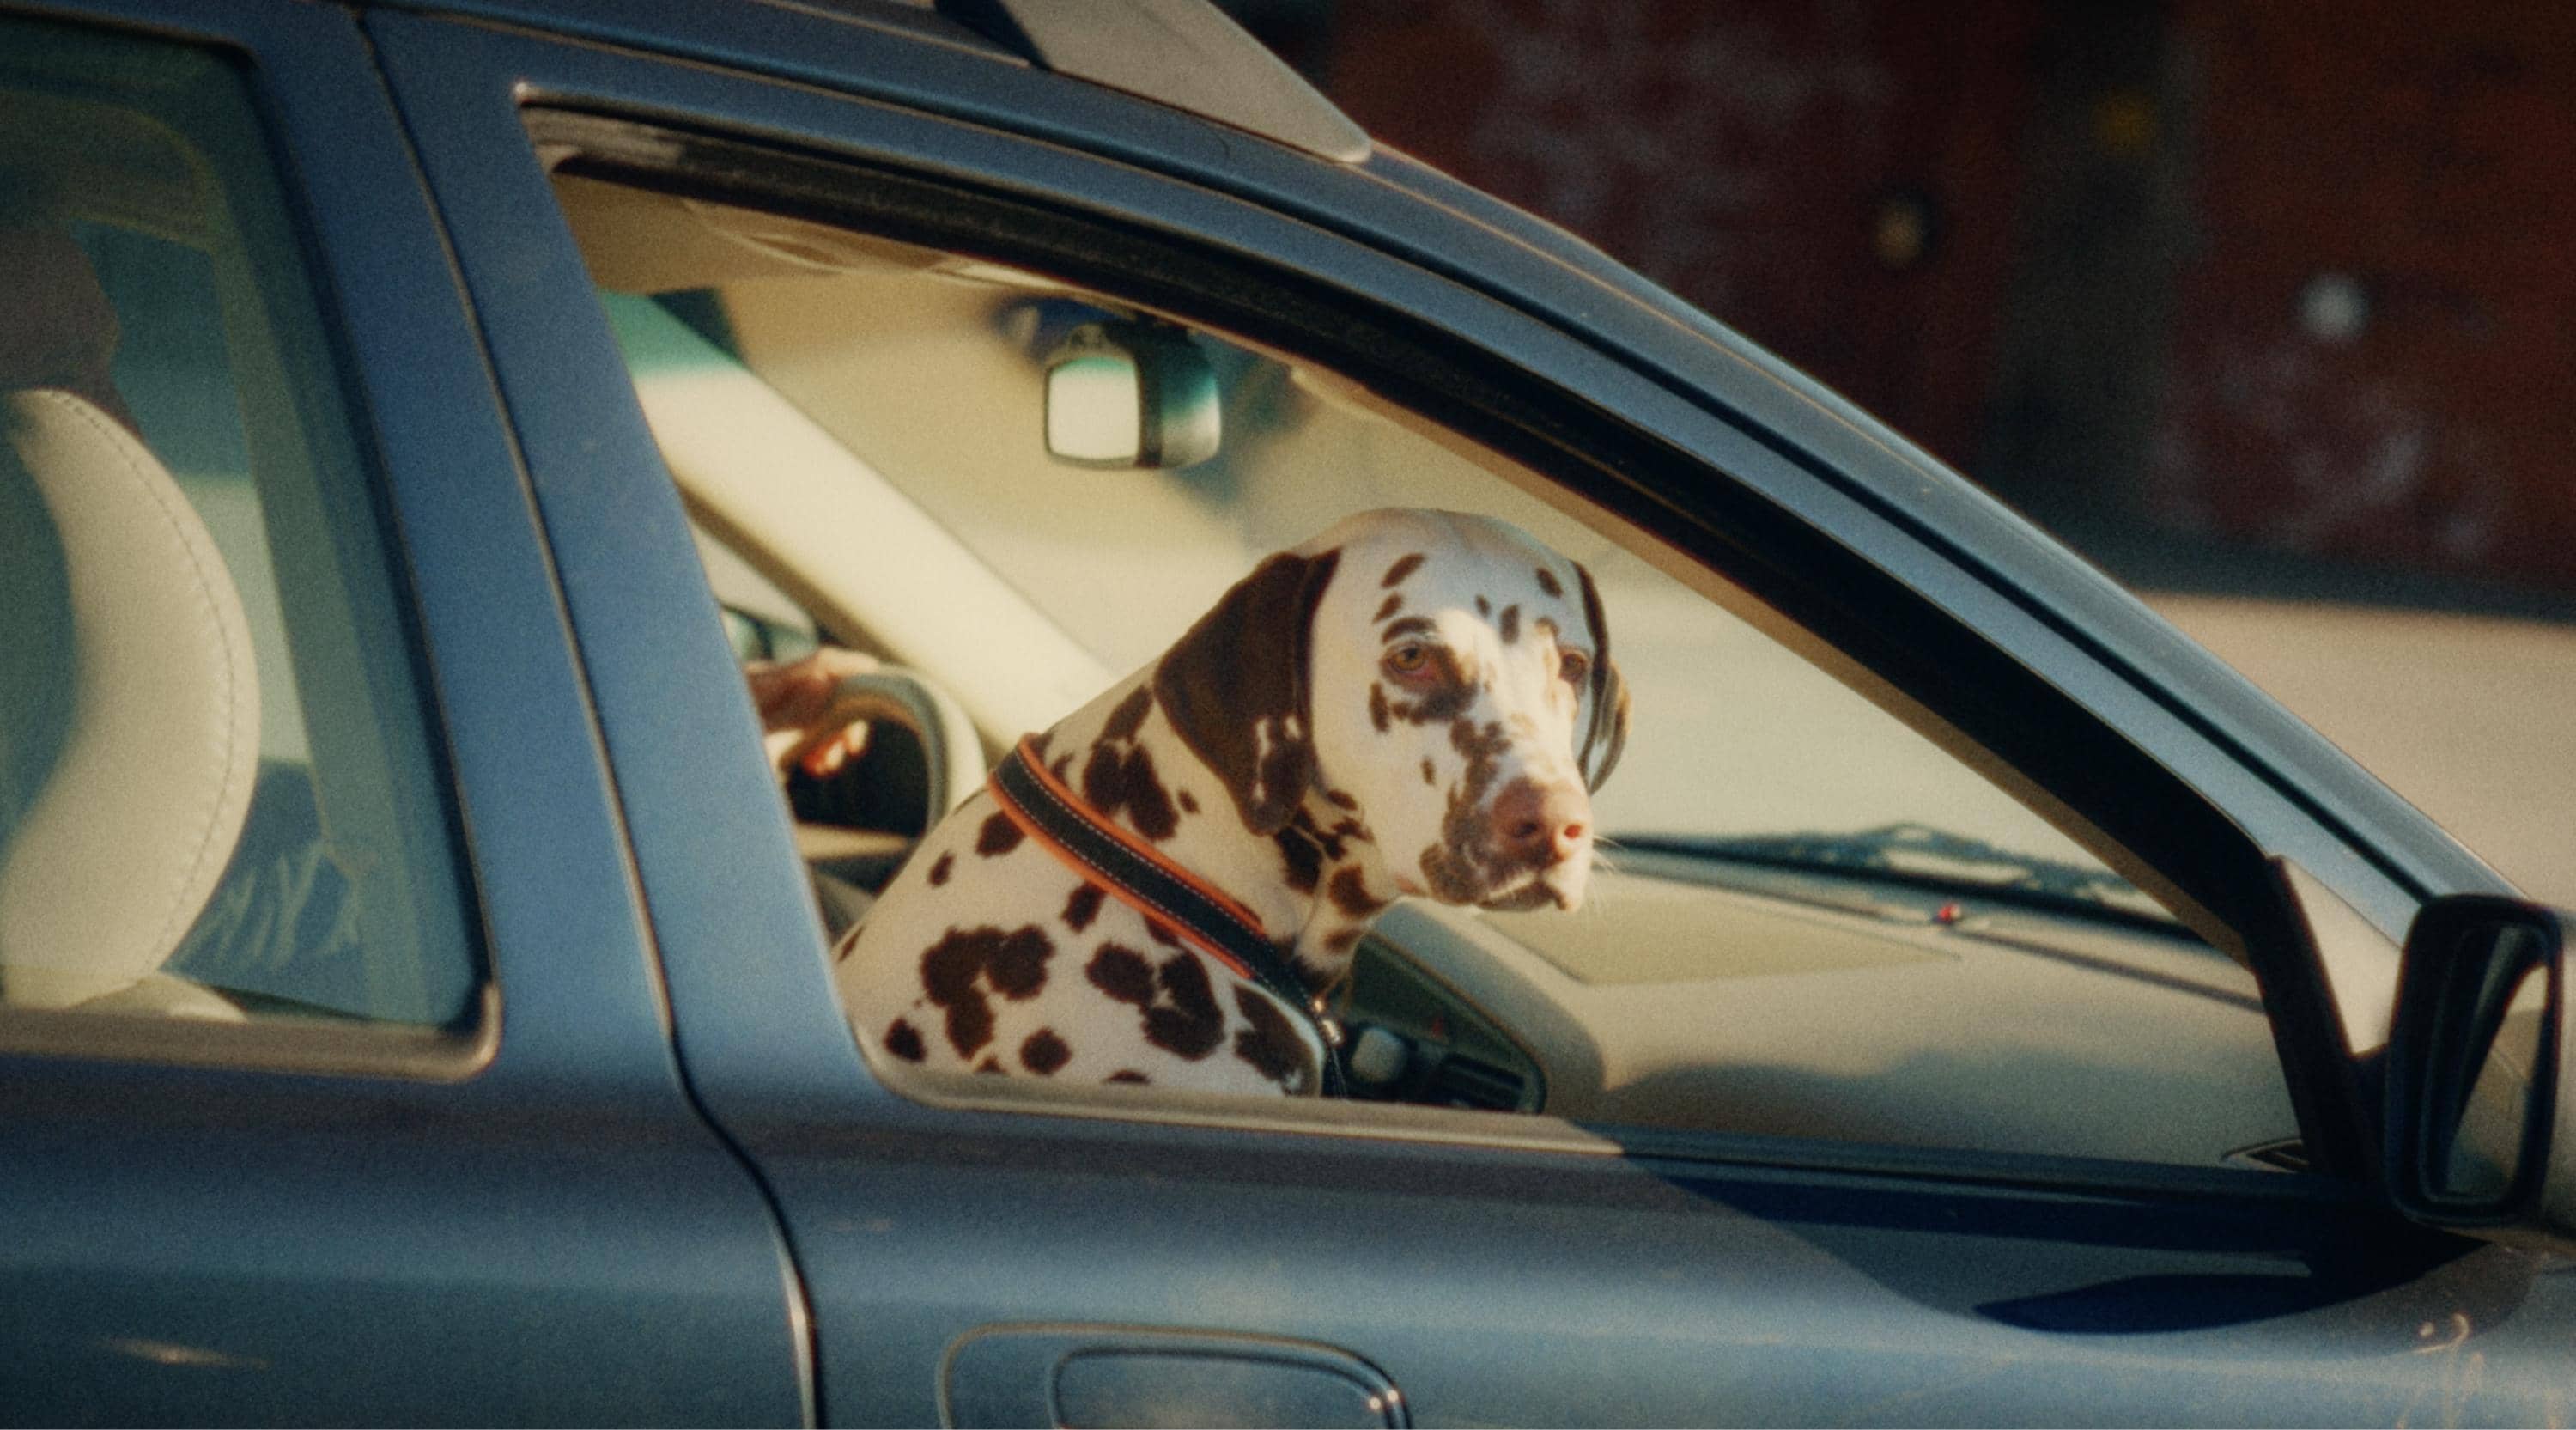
<point>2474,1138</point>
<point>1128,395</point>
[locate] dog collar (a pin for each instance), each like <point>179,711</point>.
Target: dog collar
<point>1169,896</point>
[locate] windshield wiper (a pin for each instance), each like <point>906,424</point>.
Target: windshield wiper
<point>1920,855</point>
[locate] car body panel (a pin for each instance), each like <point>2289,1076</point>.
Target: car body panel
<point>1492,1268</point>
<point>559,1234</point>
<point>552,1232</point>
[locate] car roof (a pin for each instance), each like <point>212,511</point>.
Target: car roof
<point>1185,54</point>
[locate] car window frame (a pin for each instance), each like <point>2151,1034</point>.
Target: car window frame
<point>1973,620</point>
<point>289,375</point>
<point>541,882</point>
<point>1491,416</point>
<point>2384,858</point>
<point>337,1223</point>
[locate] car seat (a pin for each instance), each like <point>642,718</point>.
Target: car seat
<point>129,697</point>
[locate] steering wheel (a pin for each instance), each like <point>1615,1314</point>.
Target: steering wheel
<point>923,759</point>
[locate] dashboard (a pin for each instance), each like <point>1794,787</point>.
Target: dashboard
<point>1689,993</point>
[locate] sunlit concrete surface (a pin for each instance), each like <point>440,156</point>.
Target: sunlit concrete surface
<point>2470,717</point>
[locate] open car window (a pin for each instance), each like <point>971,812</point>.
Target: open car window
<point>1808,919</point>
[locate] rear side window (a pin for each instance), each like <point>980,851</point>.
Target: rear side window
<point>218,801</point>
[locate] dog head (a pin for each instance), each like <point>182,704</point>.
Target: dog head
<point>1443,679</point>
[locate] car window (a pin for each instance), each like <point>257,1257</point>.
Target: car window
<point>220,802</point>
<point>1808,918</point>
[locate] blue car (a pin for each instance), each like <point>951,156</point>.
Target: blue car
<point>415,989</point>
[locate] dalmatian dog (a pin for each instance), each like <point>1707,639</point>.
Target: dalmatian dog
<point>1412,703</point>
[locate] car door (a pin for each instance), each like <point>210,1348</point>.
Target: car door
<point>998,1256</point>
<point>395,1134</point>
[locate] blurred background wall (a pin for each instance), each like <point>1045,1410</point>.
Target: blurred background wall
<point>2269,306</point>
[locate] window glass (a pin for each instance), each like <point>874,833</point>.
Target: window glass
<point>218,800</point>
<point>1807,918</point>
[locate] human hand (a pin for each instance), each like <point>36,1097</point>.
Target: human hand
<point>792,696</point>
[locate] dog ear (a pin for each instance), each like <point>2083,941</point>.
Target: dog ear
<point>1606,736</point>
<point>1234,687</point>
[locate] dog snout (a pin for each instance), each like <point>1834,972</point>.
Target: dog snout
<point>1540,824</point>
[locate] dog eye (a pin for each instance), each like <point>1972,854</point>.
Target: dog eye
<point>1575,667</point>
<point>1410,658</point>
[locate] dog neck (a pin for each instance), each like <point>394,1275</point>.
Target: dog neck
<point>1316,885</point>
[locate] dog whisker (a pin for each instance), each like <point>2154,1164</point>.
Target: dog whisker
<point>1597,893</point>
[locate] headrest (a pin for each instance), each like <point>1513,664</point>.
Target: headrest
<point>129,704</point>
<point>56,327</point>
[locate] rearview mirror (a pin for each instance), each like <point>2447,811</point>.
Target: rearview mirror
<point>1126,394</point>
<point>2473,1135</point>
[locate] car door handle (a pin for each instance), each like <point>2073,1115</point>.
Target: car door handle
<point>1077,1375</point>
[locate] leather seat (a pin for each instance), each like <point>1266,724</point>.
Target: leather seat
<point>129,697</point>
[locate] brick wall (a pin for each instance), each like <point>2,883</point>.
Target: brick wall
<point>2292,274</point>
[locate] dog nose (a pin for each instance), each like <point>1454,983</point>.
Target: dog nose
<point>1540,824</point>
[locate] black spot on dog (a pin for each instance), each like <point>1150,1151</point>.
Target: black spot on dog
<point>1038,745</point>
<point>1450,694</point>
<point>939,868</point>
<point>989,1065</point>
<point>1377,706</point>
<point>1409,626</point>
<point>1177,998</point>
<point>1012,964</point>
<point>1193,1025</point>
<point>1104,779</point>
<point>1159,934</point>
<point>1510,622</point>
<point>1344,940</point>
<point>1017,966</point>
<point>1342,799</point>
<point>1271,1043</point>
<point>1122,973</point>
<point>1350,894</point>
<point>999,836</point>
<point>1404,566</point>
<point>1189,802</point>
<point>1428,776</point>
<point>1062,769</point>
<point>1116,781</point>
<point>1393,604</point>
<point>1484,607</point>
<point>1547,582</point>
<point>1330,841</point>
<point>1303,853</point>
<point>904,1041</point>
<point>1129,717</point>
<point>1127,1075</point>
<point>1466,862</point>
<point>1042,1052</point>
<point>1482,745</point>
<point>1082,906</point>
